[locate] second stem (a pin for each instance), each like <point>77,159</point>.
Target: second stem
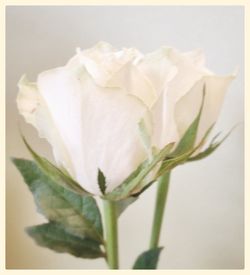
<point>161,197</point>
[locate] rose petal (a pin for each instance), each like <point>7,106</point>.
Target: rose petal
<point>34,110</point>
<point>158,68</point>
<point>112,68</point>
<point>190,68</point>
<point>99,126</point>
<point>102,61</point>
<point>188,106</point>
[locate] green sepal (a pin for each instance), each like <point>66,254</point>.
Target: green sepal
<point>211,147</point>
<point>126,188</point>
<point>172,161</point>
<point>101,181</point>
<point>207,152</point>
<point>148,259</point>
<point>55,237</point>
<point>122,205</point>
<point>55,173</point>
<point>142,188</point>
<point>78,214</point>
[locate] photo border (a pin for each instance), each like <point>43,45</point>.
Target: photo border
<point>2,132</point>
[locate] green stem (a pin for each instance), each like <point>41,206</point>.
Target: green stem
<point>162,191</point>
<point>110,217</point>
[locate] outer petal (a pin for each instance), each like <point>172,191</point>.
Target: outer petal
<point>188,106</point>
<point>34,110</point>
<point>99,126</point>
<point>28,100</point>
<point>164,124</point>
<point>190,68</point>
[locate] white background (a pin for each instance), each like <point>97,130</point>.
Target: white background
<point>203,225</point>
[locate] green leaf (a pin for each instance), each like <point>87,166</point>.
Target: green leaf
<point>188,140</point>
<point>54,236</point>
<point>126,188</point>
<point>148,259</point>
<point>101,181</point>
<point>56,174</point>
<point>79,214</point>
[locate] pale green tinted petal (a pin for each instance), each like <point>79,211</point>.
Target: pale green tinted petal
<point>34,110</point>
<point>27,100</point>
<point>99,126</point>
<point>188,106</point>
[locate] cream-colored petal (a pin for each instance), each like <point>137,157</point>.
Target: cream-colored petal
<point>99,126</point>
<point>102,46</point>
<point>102,61</point>
<point>164,126</point>
<point>34,110</point>
<point>196,57</point>
<point>117,69</point>
<point>189,69</point>
<point>158,68</point>
<point>134,82</point>
<point>188,106</point>
<point>117,149</point>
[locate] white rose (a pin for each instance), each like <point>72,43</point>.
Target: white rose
<point>89,109</point>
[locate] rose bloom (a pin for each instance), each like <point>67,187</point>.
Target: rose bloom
<point>89,109</point>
